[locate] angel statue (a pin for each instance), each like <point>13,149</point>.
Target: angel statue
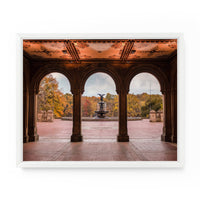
<point>101,96</point>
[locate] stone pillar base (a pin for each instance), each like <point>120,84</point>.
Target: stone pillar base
<point>165,138</point>
<point>174,139</point>
<point>25,139</point>
<point>122,138</point>
<point>76,138</point>
<point>33,138</point>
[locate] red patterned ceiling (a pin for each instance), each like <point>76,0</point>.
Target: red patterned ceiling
<point>100,49</point>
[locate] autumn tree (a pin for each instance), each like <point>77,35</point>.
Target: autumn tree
<point>68,110</point>
<point>133,106</point>
<point>87,107</point>
<point>51,98</point>
<point>111,104</point>
<point>116,106</point>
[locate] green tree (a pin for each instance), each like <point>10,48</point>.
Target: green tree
<point>152,103</point>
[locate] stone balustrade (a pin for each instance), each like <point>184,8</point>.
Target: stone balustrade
<point>45,116</point>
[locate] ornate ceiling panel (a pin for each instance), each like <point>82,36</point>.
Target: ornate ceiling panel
<point>42,49</point>
<point>99,50</point>
<point>159,49</point>
<point>80,50</point>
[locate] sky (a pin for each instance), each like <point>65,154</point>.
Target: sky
<point>63,82</point>
<point>103,83</point>
<point>144,82</point>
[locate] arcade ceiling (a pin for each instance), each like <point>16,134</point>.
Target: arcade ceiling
<point>77,51</point>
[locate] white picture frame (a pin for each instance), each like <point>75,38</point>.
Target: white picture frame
<point>103,164</point>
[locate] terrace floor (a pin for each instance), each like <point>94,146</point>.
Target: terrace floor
<point>99,143</point>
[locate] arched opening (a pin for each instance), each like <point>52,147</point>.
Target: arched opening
<point>145,112</point>
<point>99,114</point>
<point>54,107</point>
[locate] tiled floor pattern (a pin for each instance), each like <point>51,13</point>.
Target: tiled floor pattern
<point>101,150</point>
<point>99,143</point>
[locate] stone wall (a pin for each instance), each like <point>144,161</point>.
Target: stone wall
<point>156,116</point>
<point>44,116</point>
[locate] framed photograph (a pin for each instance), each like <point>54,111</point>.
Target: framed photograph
<point>100,100</point>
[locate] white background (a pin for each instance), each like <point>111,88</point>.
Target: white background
<point>99,17</point>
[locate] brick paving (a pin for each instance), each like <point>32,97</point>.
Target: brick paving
<point>100,143</point>
<point>100,129</point>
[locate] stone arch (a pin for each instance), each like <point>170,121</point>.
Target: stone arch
<point>152,69</point>
<point>103,69</point>
<point>43,71</point>
<point>34,89</point>
<point>165,89</point>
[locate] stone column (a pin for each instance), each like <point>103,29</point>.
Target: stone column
<point>25,116</point>
<point>32,132</point>
<point>76,131</point>
<point>166,136</point>
<point>123,135</point>
<point>174,115</point>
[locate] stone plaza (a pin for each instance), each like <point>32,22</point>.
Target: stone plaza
<point>99,142</point>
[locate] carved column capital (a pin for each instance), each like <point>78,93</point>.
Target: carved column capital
<point>122,90</point>
<point>77,90</point>
<point>34,91</point>
<point>166,91</point>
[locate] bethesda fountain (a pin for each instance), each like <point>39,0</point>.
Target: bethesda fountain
<point>101,112</point>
